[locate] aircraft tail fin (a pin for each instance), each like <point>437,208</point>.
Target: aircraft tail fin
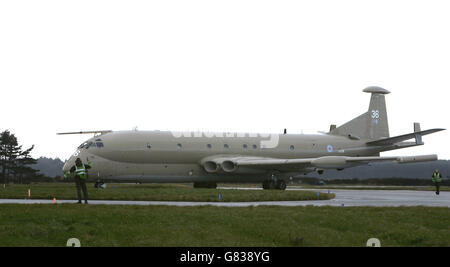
<point>372,124</point>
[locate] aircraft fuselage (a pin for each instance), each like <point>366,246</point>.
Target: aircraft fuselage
<point>163,156</point>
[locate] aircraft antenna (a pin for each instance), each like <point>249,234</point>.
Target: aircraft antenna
<point>86,132</point>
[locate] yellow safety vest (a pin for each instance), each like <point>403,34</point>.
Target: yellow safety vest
<point>81,171</point>
<point>437,177</point>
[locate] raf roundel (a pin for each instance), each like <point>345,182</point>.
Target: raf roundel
<point>330,148</point>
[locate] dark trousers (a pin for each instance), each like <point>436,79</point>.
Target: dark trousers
<point>437,184</point>
<point>81,185</point>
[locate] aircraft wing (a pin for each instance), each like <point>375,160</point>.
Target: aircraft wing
<point>233,164</point>
<point>402,159</point>
<point>331,161</point>
<point>249,161</point>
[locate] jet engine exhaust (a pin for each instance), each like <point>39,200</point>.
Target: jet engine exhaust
<point>229,166</point>
<point>210,166</point>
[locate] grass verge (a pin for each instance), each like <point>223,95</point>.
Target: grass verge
<point>155,192</point>
<point>98,225</point>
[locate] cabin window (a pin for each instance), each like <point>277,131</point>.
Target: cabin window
<point>255,146</point>
<point>179,146</point>
<point>99,144</point>
<point>244,146</point>
<point>292,147</point>
<point>149,145</point>
<point>209,146</point>
<point>226,146</point>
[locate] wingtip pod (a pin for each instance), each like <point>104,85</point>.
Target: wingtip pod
<point>422,158</point>
<point>329,162</point>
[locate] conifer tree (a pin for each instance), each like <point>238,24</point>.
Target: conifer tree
<point>14,161</point>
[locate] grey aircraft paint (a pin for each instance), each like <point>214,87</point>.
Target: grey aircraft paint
<point>208,158</point>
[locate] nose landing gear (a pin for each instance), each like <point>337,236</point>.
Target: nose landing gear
<point>100,184</point>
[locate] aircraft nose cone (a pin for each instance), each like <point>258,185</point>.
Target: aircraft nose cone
<point>67,165</point>
<point>65,168</point>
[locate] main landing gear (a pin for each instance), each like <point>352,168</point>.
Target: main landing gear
<point>274,183</point>
<point>205,185</point>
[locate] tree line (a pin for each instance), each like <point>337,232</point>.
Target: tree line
<point>15,162</point>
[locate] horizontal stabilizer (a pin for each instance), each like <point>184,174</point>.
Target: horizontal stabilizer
<point>400,138</point>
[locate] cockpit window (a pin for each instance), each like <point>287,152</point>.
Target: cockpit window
<point>89,144</point>
<point>83,145</point>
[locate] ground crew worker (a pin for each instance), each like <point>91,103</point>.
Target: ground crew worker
<point>437,179</point>
<point>79,171</point>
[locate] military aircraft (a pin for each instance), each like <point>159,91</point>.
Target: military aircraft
<point>206,158</point>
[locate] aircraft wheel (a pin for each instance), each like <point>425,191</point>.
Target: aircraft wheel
<point>272,185</point>
<point>269,185</point>
<point>99,184</point>
<point>205,185</point>
<point>281,184</point>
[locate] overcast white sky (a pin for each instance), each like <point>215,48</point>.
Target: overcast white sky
<point>244,66</point>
